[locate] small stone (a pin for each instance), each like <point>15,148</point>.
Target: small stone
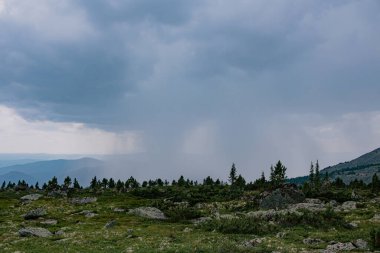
<point>130,231</point>
<point>110,224</point>
<point>119,210</point>
<point>59,233</point>
<point>352,225</point>
<point>187,230</point>
<point>88,213</point>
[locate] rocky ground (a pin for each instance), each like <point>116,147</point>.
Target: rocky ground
<point>110,222</point>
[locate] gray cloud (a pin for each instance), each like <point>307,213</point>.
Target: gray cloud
<point>167,68</point>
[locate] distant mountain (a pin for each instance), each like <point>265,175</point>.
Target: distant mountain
<point>83,169</point>
<point>15,176</point>
<point>7,163</point>
<point>361,168</point>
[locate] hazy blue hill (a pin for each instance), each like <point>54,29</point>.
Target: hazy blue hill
<point>14,176</point>
<point>83,169</point>
<point>7,163</point>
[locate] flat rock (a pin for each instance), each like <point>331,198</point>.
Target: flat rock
<point>88,213</point>
<point>49,222</point>
<point>34,231</point>
<point>35,214</point>
<point>119,210</point>
<point>313,201</point>
<point>201,220</point>
<point>82,201</point>
<point>271,214</point>
<point>311,241</point>
<point>148,212</point>
<point>313,207</point>
<point>30,197</point>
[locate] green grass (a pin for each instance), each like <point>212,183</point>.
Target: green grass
<point>83,234</point>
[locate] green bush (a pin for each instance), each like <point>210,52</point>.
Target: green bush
<point>182,214</point>
<point>247,225</point>
<point>375,238</point>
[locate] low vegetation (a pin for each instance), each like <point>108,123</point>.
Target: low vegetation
<point>189,216</point>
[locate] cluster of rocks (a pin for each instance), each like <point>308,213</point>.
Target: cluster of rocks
<point>38,232</point>
<point>347,246</point>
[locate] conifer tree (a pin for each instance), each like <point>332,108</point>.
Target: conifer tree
<point>317,179</point>
<point>232,178</point>
<point>76,184</point>
<point>278,174</point>
<point>311,174</point>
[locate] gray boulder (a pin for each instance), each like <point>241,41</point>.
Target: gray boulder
<point>360,244</point>
<point>30,197</point>
<point>35,214</point>
<point>82,201</point>
<point>148,212</point>
<point>34,231</point>
<point>281,197</point>
<point>349,205</point>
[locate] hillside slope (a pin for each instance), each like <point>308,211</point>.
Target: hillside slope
<point>361,168</point>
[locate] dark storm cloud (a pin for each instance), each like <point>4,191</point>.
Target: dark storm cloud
<point>180,70</point>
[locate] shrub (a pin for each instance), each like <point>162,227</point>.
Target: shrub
<point>247,225</point>
<point>375,238</point>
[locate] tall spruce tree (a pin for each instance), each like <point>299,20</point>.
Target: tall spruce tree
<point>232,178</point>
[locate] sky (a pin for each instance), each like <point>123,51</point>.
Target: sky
<point>175,87</point>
